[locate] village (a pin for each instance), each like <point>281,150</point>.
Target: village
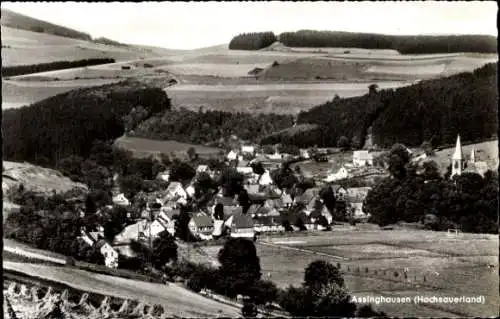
<point>270,209</point>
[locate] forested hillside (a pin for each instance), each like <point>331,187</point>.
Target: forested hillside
<point>404,44</point>
<point>438,109</point>
<point>68,123</point>
<point>210,126</point>
<point>252,41</point>
<point>19,21</point>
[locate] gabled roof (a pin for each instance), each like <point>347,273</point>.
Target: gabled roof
<point>253,209</point>
<point>336,187</point>
<point>202,168</point>
<point>242,221</point>
<point>202,221</point>
<point>286,198</point>
<point>101,243</point>
<point>252,188</point>
<point>162,222</point>
<point>232,211</point>
<point>173,186</point>
<point>171,213</point>
<point>225,201</point>
<point>255,197</point>
<point>308,196</point>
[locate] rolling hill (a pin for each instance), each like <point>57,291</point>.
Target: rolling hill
<point>19,21</point>
<point>436,110</point>
<point>26,40</point>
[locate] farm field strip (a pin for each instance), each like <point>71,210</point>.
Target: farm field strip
<point>184,300</point>
<point>286,87</point>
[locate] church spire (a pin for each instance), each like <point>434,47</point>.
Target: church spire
<point>457,159</point>
<point>473,155</point>
<point>458,155</point>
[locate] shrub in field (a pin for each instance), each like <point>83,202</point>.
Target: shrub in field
<point>396,274</point>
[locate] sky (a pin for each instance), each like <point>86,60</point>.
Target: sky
<point>189,25</point>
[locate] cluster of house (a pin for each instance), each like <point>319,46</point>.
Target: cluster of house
<point>362,165</point>
<point>269,210</point>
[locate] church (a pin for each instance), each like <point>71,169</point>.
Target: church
<point>461,165</point>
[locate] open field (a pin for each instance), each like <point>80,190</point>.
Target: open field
<point>147,147</point>
<point>186,302</point>
<point>286,98</point>
<point>451,266</point>
<point>20,93</point>
<point>26,47</point>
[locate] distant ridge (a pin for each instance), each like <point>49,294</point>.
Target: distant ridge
<point>18,21</point>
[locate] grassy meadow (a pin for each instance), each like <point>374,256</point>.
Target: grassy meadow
<point>147,147</point>
<point>452,266</point>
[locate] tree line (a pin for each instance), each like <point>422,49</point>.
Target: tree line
<point>69,123</point>
<point>432,110</point>
<point>252,41</point>
<point>51,66</point>
<point>210,126</point>
<point>421,194</point>
<point>404,44</point>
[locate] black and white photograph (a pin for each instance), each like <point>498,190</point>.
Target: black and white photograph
<point>267,159</point>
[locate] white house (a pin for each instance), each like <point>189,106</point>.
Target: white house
<point>232,156</point>
<point>201,168</point>
<point>201,226</point>
<point>244,170</point>
<point>159,225</point>
<point>121,200</point>
<point>109,253</point>
<point>305,153</point>
<point>190,190</point>
<point>265,179</point>
<point>247,149</point>
<point>163,176</point>
<point>342,173</point>
<point>275,156</point>
<point>175,191</point>
<point>362,158</point>
<point>357,211</point>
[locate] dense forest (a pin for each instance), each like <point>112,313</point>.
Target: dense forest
<point>404,44</point>
<point>19,21</point>
<point>434,110</point>
<point>51,66</point>
<point>252,41</point>
<point>68,123</point>
<point>413,194</point>
<point>210,126</point>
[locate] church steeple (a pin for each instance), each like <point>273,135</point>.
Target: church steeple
<point>457,159</point>
<point>473,155</point>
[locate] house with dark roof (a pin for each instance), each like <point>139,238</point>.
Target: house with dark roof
<point>241,226</point>
<point>339,192</point>
<point>94,239</point>
<point>308,196</point>
<point>264,224</point>
<point>201,226</point>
